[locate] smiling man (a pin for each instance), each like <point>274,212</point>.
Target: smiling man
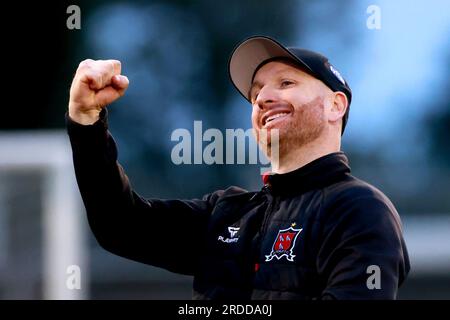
<point>312,232</point>
<point>304,111</point>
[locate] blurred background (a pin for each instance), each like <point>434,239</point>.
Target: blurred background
<point>175,54</point>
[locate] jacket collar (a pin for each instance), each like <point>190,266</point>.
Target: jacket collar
<point>317,174</point>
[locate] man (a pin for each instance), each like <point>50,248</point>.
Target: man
<point>313,232</point>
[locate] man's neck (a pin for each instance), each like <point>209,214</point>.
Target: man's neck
<point>298,157</point>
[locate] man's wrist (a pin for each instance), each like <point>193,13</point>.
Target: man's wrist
<point>84,118</point>
<point>88,134</point>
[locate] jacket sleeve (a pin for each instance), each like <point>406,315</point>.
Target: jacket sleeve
<point>163,233</point>
<point>363,254</point>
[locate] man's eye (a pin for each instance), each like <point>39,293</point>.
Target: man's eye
<point>255,96</point>
<point>285,83</point>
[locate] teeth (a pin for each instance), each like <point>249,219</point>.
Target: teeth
<point>275,116</point>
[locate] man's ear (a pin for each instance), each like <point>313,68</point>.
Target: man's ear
<point>338,107</point>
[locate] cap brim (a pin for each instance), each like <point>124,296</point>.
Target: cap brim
<point>249,54</point>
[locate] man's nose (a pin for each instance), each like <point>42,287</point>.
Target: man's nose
<point>266,96</point>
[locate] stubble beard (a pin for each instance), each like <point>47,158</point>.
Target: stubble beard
<point>307,125</point>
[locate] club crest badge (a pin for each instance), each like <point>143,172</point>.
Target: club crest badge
<point>284,244</point>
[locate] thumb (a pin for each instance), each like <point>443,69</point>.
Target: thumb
<point>111,93</point>
<point>120,82</point>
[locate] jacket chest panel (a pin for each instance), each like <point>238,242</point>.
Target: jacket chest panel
<point>276,230</point>
<point>291,231</point>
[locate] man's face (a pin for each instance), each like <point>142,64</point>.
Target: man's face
<point>286,98</point>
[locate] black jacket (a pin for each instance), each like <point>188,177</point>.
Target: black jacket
<point>314,233</point>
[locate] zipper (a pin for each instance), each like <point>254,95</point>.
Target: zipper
<point>265,224</point>
<point>259,193</point>
<point>269,212</point>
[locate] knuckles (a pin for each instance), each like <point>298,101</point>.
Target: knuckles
<point>85,64</point>
<point>99,67</point>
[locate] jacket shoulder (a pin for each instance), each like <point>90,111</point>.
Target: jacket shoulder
<point>230,192</point>
<point>359,198</point>
<point>353,189</point>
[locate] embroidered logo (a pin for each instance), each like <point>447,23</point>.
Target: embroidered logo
<point>337,74</point>
<point>233,231</point>
<point>284,244</point>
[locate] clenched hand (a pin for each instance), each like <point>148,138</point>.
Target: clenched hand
<point>96,84</point>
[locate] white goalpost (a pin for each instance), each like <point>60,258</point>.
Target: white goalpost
<point>64,256</point>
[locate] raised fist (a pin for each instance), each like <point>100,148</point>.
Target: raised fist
<point>96,84</point>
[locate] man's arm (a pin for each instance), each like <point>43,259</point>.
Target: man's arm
<point>362,243</point>
<point>164,233</point>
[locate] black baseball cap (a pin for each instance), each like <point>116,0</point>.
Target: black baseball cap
<point>248,56</point>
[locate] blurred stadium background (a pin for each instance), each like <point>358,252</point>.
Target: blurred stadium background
<point>175,54</point>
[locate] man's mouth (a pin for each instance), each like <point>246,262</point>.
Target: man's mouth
<point>273,115</point>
